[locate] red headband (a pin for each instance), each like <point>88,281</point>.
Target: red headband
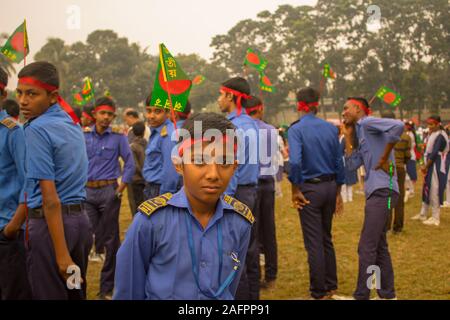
<point>431,120</point>
<point>191,142</point>
<point>255,108</point>
<point>239,96</point>
<point>104,107</point>
<point>36,83</point>
<point>49,88</point>
<point>2,86</point>
<point>303,106</point>
<point>361,105</point>
<point>87,115</point>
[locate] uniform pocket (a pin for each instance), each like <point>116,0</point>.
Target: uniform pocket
<point>107,153</point>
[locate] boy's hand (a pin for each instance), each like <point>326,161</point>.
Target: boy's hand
<point>383,164</point>
<point>63,266</point>
<point>339,205</point>
<point>299,200</point>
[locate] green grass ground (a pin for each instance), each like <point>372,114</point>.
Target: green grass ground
<point>420,254</point>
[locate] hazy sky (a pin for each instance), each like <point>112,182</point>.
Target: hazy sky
<point>184,26</point>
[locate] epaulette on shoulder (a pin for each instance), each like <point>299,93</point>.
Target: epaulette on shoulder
<point>9,123</point>
<point>164,131</point>
<point>116,130</point>
<point>240,208</point>
<point>87,130</point>
<point>150,206</point>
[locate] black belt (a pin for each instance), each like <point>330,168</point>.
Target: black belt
<point>324,178</point>
<point>70,209</point>
<point>251,185</point>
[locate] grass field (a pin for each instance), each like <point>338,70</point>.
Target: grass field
<point>420,254</point>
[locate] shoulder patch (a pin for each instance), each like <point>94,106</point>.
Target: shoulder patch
<point>150,206</point>
<point>116,130</point>
<point>87,130</point>
<point>240,208</point>
<point>163,131</point>
<point>9,123</point>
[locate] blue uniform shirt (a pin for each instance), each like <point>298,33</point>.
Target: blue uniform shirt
<point>55,151</point>
<point>314,150</point>
<point>103,154</point>
<point>158,167</point>
<point>154,261</point>
<point>247,173</point>
<point>373,134</point>
<point>12,167</point>
<point>268,147</point>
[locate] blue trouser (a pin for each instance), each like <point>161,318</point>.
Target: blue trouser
<point>373,247</point>
<point>43,275</point>
<point>103,208</point>
<point>265,210</point>
<point>248,288</point>
<point>316,222</point>
<point>13,273</point>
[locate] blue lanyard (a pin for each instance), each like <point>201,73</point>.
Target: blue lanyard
<point>232,274</point>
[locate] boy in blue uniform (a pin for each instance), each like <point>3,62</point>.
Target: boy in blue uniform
<point>104,148</point>
<point>265,203</point>
<point>159,174</point>
<point>234,94</point>
<point>13,275</point>
<point>56,173</point>
<point>190,245</point>
<point>369,142</point>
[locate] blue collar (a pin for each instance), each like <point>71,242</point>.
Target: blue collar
<point>107,131</point>
<point>233,114</point>
<point>3,115</point>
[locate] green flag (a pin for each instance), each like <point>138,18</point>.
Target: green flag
<point>265,84</point>
<point>328,72</point>
<point>198,80</point>
<point>88,91</point>
<point>16,48</point>
<point>78,99</point>
<point>255,60</point>
<point>170,79</point>
<point>389,96</point>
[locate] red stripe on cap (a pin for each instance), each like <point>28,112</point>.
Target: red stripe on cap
<point>104,107</point>
<point>239,96</point>
<point>303,106</point>
<point>361,105</point>
<point>37,83</point>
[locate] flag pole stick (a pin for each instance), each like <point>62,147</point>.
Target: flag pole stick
<point>373,98</point>
<point>24,43</point>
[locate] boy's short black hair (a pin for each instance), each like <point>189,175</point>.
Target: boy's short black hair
<point>11,107</point>
<point>362,100</point>
<point>209,120</point>
<point>253,102</point>
<point>187,110</point>
<point>308,95</point>
<point>435,118</point>
<point>42,71</point>
<point>238,84</point>
<point>148,100</point>
<point>132,113</point>
<point>138,129</point>
<point>88,109</point>
<point>388,114</point>
<point>102,101</point>
<point>3,79</point>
